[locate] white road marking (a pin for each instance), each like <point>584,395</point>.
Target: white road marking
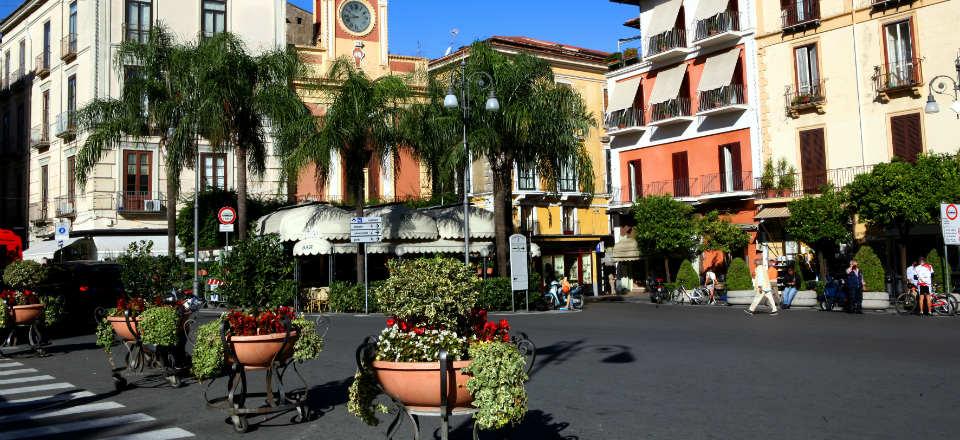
<point>160,434</point>
<point>26,379</point>
<point>41,400</point>
<point>10,364</point>
<point>79,409</point>
<point>76,426</point>
<point>44,387</point>
<point>20,371</point>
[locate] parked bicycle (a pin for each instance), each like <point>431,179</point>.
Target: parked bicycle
<point>940,303</point>
<point>699,295</point>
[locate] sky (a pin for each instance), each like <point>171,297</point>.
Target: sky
<point>422,27</point>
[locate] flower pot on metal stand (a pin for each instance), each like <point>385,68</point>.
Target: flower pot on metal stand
<point>25,319</point>
<point>144,363</point>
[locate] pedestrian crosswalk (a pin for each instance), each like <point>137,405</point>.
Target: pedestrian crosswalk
<point>35,406</point>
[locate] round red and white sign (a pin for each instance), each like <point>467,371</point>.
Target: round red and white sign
<point>227,215</point>
<point>952,212</point>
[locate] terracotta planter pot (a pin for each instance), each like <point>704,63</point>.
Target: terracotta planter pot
<point>770,193</point>
<point>119,324</point>
<point>416,383</point>
<point>260,350</point>
<point>27,314</point>
<point>786,192</point>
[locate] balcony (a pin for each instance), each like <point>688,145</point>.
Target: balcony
<point>42,66</point>
<point>68,48</point>
<point>37,212</point>
<point>677,188</point>
<point>674,111</point>
<point>812,97</point>
<point>722,100</point>
<point>135,33</point>
<point>140,203</point>
<point>529,227</point>
<point>902,77</point>
<point>16,78</point>
<point>668,45</point>
<point>719,29</point>
<point>806,184</point>
<point>66,126</point>
<point>624,122</point>
<point>879,5</point>
<point>40,136</point>
<point>719,184</point>
<point>800,15</point>
<point>66,206</point>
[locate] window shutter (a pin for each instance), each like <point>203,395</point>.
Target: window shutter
<point>637,179</point>
<point>737,167</point>
<point>722,162</point>
<point>680,175</point>
<point>813,161</point>
<point>906,136</point>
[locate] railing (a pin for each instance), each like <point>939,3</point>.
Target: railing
<point>892,76</point>
<point>719,183</point>
<point>66,125</point>
<point>672,39</point>
<point>529,226</point>
<point>812,183</point>
<point>880,4</point>
<point>805,97</point>
<point>673,108</point>
<point>136,33</point>
<point>567,184</point>
<point>673,188</point>
<point>42,66</point>
<point>526,180</point>
<point>140,202</point>
<point>627,118</point>
<point>800,13</point>
<point>37,212</point>
<point>721,97</point>
<point>66,206</point>
<point>726,21</point>
<point>40,136</point>
<point>68,47</point>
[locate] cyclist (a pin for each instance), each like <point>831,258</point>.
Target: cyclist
<point>710,282</point>
<point>924,276</point>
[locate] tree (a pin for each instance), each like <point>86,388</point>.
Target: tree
<point>940,272</point>
<point>359,125</point>
<point>211,201</point>
<point>687,275</point>
<point>665,227</point>
<point>433,132</point>
<point>719,234</point>
<point>821,222</point>
<point>541,125</point>
<point>151,106</point>
<point>738,276</point>
<point>873,274</point>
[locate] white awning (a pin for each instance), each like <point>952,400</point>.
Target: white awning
<point>709,8</point>
<point>484,248</point>
<point>534,250</point>
<point>315,221</point>
<point>402,223</point>
<point>663,17</point>
<point>109,247</point>
<point>450,222</point>
<point>624,94</point>
<point>667,84</point>
<point>312,246</point>
<point>624,250</point>
<point>718,70</point>
<point>372,248</point>
<point>45,249</point>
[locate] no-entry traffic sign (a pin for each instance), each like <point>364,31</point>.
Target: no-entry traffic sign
<point>227,215</point>
<point>950,223</point>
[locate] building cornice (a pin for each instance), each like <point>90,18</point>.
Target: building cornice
<point>19,14</point>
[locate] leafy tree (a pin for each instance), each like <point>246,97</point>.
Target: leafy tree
<point>802,282</point>
<point>257,273</point>
<point>821,222</point>
<point>738,276</point>
<point>687,275</point>
<point>541,124</point>
<point>873,274</point>
<point>665,227</point>
<point>719,234</point>
<point>146,275</point>
<point>209,235</point>
<point>433,133</point>
<point>939,273</point>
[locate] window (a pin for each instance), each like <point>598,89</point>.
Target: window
<point>44,190</point>
<point>72,23</point>
<point>681,175</point>
<point>22,65</point>
<point>71,178</point>
<point>906,136</point>
<point>569,219</point>
<point>635,179</point>
<point>813,160</point>
<point>808,72</point>
<point>136,179</point>
<point>526,178</point>
<point>139,18</point>
<point>45,116</point>
<point>568,178</point>
<point>214,17</point>
<point>902,67</point>
<point>46,45</point>
<point>214,171</point>
<point>731,175</point>
<point>71,99</point>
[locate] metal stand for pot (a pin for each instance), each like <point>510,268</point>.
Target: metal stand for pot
<point>32,332</point>
<point>277,398</point>
<point>366,353</point>
<point>146,364</point>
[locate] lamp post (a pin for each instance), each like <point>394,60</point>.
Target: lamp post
<point>484,82</point>
<point>944,85</point>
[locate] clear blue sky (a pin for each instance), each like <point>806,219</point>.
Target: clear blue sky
<point>424,25</point>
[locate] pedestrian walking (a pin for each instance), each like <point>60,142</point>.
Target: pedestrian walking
<point>790,283</point>
<point>924,275</point>
<point>855,286</point>
<point>761,284</point>
<point>773,275</point>
<point>710,282</point>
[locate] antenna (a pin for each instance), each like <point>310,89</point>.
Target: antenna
<point>419,48</point>
<point>453,38</point>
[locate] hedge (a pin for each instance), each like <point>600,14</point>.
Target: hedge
<point>873,275</point>
<point>687,275</point>
<point>738,276</point>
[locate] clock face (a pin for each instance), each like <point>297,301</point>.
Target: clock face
<point>356,16</point>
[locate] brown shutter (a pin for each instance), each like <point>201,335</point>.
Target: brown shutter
<point>813,160</point>
<point>681,174</point>
<point>638,178</point>
<point>906,136</point>
<point>737,167</point>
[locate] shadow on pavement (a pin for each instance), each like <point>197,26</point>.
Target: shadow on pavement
<point>563,351</point>
<point>324,398</point>
<point>536,425</point>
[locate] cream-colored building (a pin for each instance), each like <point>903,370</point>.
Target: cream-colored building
<point>63,51</point>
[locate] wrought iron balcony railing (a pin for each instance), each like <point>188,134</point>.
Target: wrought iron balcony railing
<point>672,39</point>
<point>800,14</point>
<point>42,66</point>
<point>811,183</point>
<point>726,21</point>
<point>66,206</point>
<point>66,125</point>
<point>805,97</point>
<point>40,136</point>
<point>676,107</point>
<point>897,75</point>
<point>624,119</point>
<point>68,47</point>
<point>37,212</point>
<point>140,202</point>
<point>883,4</point>
<point>719,183</point>
<point>139,34</point>
<point>721,97</point>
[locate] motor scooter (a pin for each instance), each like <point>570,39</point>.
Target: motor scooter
<point>658,291</point>
<point>556,299</point>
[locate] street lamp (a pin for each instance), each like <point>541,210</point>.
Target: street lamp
<point>944,85</point>
<point>462,80</point>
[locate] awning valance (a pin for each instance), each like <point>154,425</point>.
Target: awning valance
<point>624,250</point>
<point>109,247</point>
<point>314,221</point>
<point>534,250</point>
<point>312,246</point>
<point>773,212</point>
<point>624,94</point>
<point>709,8</point>
<point>484,248</point>
<point>450,222</point>
<point>663,17</point>
<point>372,248</point>
<point>718,70</point>
<point>45,249</point>
<point>402,223</point>
<point>667,84</point>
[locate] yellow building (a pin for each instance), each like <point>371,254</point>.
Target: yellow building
<point>567,225</point>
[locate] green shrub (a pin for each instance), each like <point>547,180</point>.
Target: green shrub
<point>738,276</point>
<point>438,291</point>
<point>347,297</point>
<point>939,274</point>
<point>257,273</point>
<point>52,310</point>
<point>211,200</point>
<point>208,351</point>
<point>499,372</point>
<point>310,343</point>
<point>495,294</point>
<point>146,275</point>
<point>158,325</point>
<point>687,275</point>
<point>24,275</point>
<point>105,333</point>
<point>873,275</point>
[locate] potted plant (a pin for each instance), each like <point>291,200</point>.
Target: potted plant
<point>125,317</point>
<point>430,304</point>
<point>21,304</point>
<point>768,180</point>
<point>786,178</point>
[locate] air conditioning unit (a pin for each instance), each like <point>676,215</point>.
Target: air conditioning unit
<point>151,205</point>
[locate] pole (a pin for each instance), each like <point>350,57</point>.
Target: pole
<point>366,284</point>
<point>946,269</point>
<point>465,95</point>
<point>196,221</point>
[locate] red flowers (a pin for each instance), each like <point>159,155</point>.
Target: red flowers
<point>262,323</point>
<point>488,331</point>
<point>134,305</point>
<point>391,322</point>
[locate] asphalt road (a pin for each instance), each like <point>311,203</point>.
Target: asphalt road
<point>613,371</point>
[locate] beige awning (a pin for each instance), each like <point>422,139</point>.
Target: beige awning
<point>402,223</point>
<point>312,246</point>
<point>663,18</point>
<point>625,250</point>
<point>484,248</point>
<point>718,70</point>
<point>372,248</point>
<point>667,84</point>
<point>709,8</point>
<point>450,222</point>
<point>773,212</point>
<point>624,94</point>
<point>307,221</point>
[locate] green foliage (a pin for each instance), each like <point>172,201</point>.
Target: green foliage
<point>396,345</point>
<point>495,294</point>
<point>436,291</point>
<point>363,391</point>
<point>664,226</point>
<point>24,275</point>
<point>820,221</point>
<point>159,325</point>
<point>801,282</point>
<point>349,297</point>
<point>893,195</point>
<point>3,314</point>
<point>211,200</point>
<point>52,309</point>
<point>873,274</point>
<point>786,175</point>
<point>497,385</point>
<point>738,276</point>
<point>257,274</point>
<point>146,275</point>
<point>105,334</point>
<point>768,179</point>
<point>687,275</point>
<point>208,351</point>
<point>719,234</point>
<point>309,344</point>
<point>939,274</point>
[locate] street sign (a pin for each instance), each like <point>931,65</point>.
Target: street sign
<point>366,233</point>
<point>519,279</point>
<point>360,220</point>
<point>366,229</point>
<point>376,239</point>
<point>61,232</point>
<point>365,226</point>
<point>226,227</point>
<point>227,216</point>
<point>950,223</point>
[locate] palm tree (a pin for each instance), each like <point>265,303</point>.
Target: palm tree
<point>151,105</point>
<point>541,126</point>
<point>433,132</point>
<point>359,125</point>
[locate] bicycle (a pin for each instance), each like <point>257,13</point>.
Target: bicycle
<point>699,295</point>
<point>940,303</point>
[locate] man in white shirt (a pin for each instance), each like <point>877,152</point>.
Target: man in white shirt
<point>924,275</point>
<point>761,283</point>
<point>912,274</point>
<point>710,282</point>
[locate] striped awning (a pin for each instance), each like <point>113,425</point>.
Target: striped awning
<point>663,18</point>
<point>773,213</point>
<point>667,84</point>
<point>624,94</point>
<point>624,250</point>
<point>718,70</point>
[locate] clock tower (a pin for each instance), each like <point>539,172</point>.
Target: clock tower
<point>356,29</point>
